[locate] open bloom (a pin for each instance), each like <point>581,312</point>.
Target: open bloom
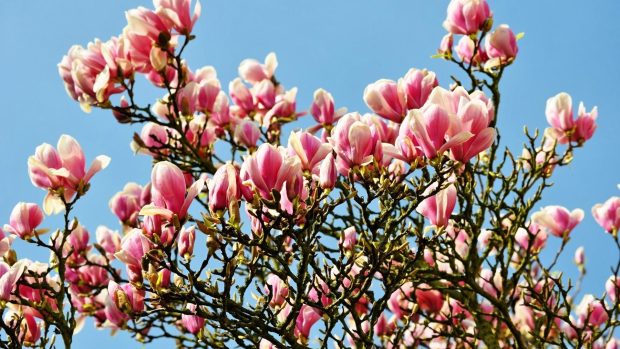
<point>25,218</point>
<point>64,167</point>
<point>126,297</point>
<point>355,142</point>
<point>591,311</point>
<point>9,277</point>
<point>564,127</point>
<point>309,149</point>
<point>177,14</point>
<point>253,72</point>
<point>607,215</point>
<point>558,220</point>
<point>466,16</point>
<point>438,208</point>
<point>277,290</point>
<point>134,246</point>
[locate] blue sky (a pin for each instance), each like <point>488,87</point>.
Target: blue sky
<point>341,46</point>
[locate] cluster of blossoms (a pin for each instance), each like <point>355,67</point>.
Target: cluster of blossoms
<point>394,228</point>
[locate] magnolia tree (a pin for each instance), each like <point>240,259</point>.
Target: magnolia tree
<point>408,226</point>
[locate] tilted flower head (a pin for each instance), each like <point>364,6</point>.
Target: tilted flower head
<point>64,168</point>
<point>254,72</point>
<point>25,218</point>
<point>607,215</point>
<point>558,220</point>
<point>309,149</point>
<point>438,208</point>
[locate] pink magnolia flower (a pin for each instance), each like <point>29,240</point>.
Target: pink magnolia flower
<point>564,127</point>
<point>558,220</point>
<point>28,331</point>
<point>612,287</point>
<point>192,323</point>
<point>265,94</point>
<point>127,297</point>
<point>168,190</point>
<point>400,303</point>
<point>92,74</point>
<point>25,218</point>
<point>5,243</point>
<point>265,344</point>
<point>466,16</point>
<point>591,311</point>
<point>387,98</point>
<point>327,172</point>
<point>247,133</point>
<point>429,127</point>
<point>284,108</point>
<point>177,14</point>
<point>126,203</point>
<point>580,256</point>
<point>253,72</point>
<point>612,344</point>
<point>348,239</point>
<point>438,208</point>
<point>429,300</point>
<point>465,50</point>
<point>52,169</point>
<point>113,315</point>
<point>502,44</point>
<point>241,95</point>
<point>355,143</point>
<point>445,45</point>
<point>224,188</point>
<point>533,236</point>
<point>134,246</point>
<point>9,277</point>
<point>323,110</point>
<point>309,149</point>
<point>277,289</point>
<point>418,85</point>
<point>473,117</point>
<point>269,168</point>
<point>185,242</point>
<point>109,240</point>
<point>307,317</point>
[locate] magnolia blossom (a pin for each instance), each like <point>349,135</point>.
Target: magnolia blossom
<point>185,242</point>
<point>253,72</point>
<point>591,311</point>
<point>355,143</point>
<point>309,149</point>
<point>607,214</point>
<point>64,167</point>
<point>247,133</point>
<point>387,98</point>
<point>192,323</point>
<point>558,220</point>
<point>323,110</point>
<point>438,208</point>
<point>168,190</point>
<point>466,16</point>
<point>127,297</point>
<point>277,290</point>
<point>9,277</point>
<point>564,127</point>
<point>134,246</point>
<point>418,85</point>
<point>269,169</point>
<point>127,203</point>
<point>224,188</point>
<point>327,172</point>
<point>25,218</point>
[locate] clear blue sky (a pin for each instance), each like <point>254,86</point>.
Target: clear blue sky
<point>342,46</point>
